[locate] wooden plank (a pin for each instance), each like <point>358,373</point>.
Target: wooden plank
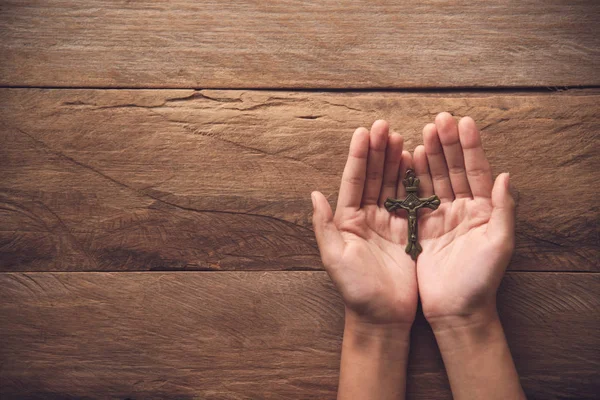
<point>256,335</point>
<point>103,180</point>
<point>299,44</point>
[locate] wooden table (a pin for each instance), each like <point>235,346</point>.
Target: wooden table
<point>157,160</point>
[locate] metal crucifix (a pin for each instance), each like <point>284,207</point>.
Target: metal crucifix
<point>411,204</point>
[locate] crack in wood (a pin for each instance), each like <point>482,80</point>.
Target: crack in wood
<point>199,132</point>
<point>158,199</point>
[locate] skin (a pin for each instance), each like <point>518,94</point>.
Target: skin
<point>467,244</point>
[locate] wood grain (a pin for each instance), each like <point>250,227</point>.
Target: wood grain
<point>240,335</point>
<point>299,44</point>
<point>112,180</point>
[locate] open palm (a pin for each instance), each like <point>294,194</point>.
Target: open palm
<point>467,243</point>
<point>362,246</point>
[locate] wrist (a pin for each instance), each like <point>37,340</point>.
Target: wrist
<point>468,332</point>
<point>477,357</point>
<point>388,339</point>
<point>398,330</point>
<point>478,317</point>
<point>374,359</point>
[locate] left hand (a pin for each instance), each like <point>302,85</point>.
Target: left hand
<point>362,246</point>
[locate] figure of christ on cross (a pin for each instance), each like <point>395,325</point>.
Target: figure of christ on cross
<point>411,204</point>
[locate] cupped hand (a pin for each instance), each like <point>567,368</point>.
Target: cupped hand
<point>362,246</point>
<point>468,241</point>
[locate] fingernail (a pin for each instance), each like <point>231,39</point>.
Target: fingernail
<point>312,198</point>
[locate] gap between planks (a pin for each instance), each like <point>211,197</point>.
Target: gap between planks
<point>464,89</point>
<point>269,271</point>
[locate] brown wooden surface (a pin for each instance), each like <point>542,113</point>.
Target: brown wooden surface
<point>239,335</point>
<point>299,44</point>
<point>169,180</point>
<point>219,180</point>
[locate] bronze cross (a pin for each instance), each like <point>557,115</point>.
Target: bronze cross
<point>412,203</point>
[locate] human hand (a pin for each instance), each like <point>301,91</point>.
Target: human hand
<point>362,246</point>
<point>468,241</point>
<point>467,244</point>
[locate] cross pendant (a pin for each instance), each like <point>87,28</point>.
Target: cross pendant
<point>411,204</point>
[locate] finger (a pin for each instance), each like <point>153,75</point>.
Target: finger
<point>405,163</point>
<point>393,155</point>
<point>448,134</point>
<point>353,178</point>
<point>330,241</point>
<point>377,145</point>
<point>502,220</point>
<point>437,164</point>
<point>477,166</point>
<point>422,172</point>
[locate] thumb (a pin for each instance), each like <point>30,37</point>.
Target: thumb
<point>502,220</point>
<point>330,241</point>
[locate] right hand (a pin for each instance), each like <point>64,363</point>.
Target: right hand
<point>468,241</point>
